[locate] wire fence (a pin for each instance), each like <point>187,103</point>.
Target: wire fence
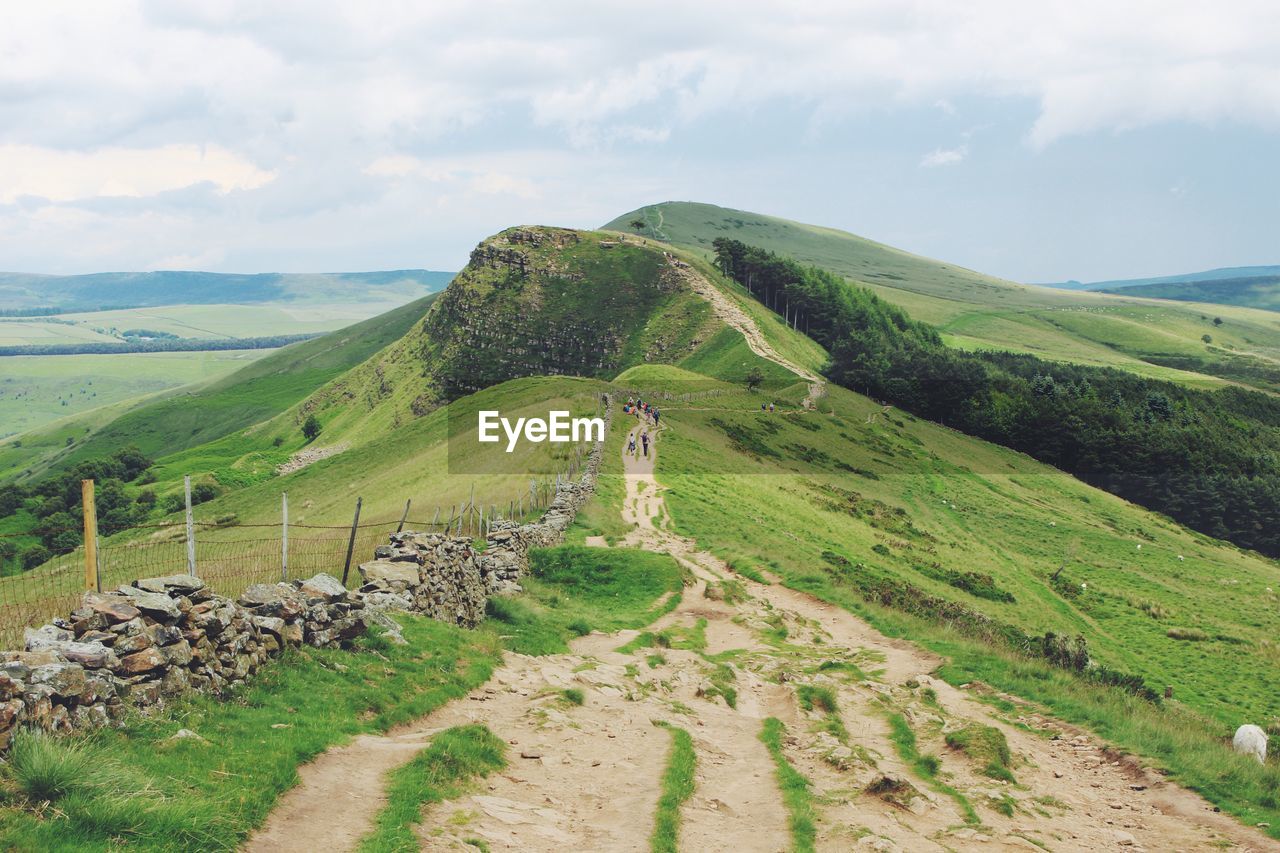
<point>231,556</point>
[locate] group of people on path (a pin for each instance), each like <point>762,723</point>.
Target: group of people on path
<point>647,414</point>
<point>643,411</point>
<point>766,407</point>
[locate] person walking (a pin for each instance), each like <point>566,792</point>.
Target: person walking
<point>631,444</point>
<point>644,440</point>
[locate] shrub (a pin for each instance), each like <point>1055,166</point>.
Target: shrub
<point>311,428</point>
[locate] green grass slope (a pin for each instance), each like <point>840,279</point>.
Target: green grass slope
<point>532,301</point>
<point>195,415</point>
<point>1146,336</point>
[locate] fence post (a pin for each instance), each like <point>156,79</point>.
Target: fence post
<point>351,543</point>
<point>191,528</point>
<point>435,519</point>
<point>404,517</point>
<point>91,580</point>
<point>284,536</point>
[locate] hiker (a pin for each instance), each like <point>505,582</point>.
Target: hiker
<point>764,407</point>
<point>631,444</point>
<point>656,415</point>
<point>771,408</point>
<point>644,440</point>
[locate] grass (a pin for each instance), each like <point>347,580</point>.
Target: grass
<point>797,795</point>
<point>252,394</point>
<point>208,794</point>
<point>573,695</point>
<point>677,787</point>
<point>40,389</point>
<point>926,767</point>
<point>987,747</point>
<point>573,587</point>
<point>980,311</point>
<point>440,772</point>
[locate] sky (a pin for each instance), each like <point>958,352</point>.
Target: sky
<point>1036,141</point>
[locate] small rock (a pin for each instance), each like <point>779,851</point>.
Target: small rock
<point>187,734</point>
<point>530,753</point>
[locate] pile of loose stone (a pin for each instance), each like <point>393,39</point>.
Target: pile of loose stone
<point>161,637</point>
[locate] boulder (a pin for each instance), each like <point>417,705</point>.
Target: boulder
<point>389,572</point>
<point>140,662</point>
<point>115,608</point>
<point>45,636</point>
<point>182,584</point>
<point>157,605</point>
<point>64,680</point>
<point>323,588</point>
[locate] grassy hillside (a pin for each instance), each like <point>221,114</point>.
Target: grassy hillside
<point>36,390</point>
<point>1254,292</point>
<point>195,415</point>
<point>972,310</point>
<point>532,301</point>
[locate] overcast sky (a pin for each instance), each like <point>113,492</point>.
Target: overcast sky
<point>1034,140</point>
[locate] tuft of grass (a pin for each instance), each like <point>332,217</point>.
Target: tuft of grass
<point>440,772</point>
<point>987,746</point>
<point>797,795</point>
<point>44,769</point>
<point>722,679</point>
<point>677,786</point>
<point>812,696</point>
<point>926,766</point>
<point>574,696</point>
<point>1194,635</point>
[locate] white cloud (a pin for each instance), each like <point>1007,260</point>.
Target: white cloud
<point>944,157</point>
<point>334,112</point>
<point>28,170</point>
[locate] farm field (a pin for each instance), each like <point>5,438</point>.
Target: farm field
<point>37,390</point>
<point>200,322</point>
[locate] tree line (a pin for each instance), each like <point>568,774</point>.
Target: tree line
<point>1208,459</point>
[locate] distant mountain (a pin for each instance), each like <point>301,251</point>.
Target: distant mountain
<point>1249,287</point>
<point>1220,274</point>
<point>21,292</point>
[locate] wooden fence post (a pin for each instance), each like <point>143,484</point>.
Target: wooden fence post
<point>191,528</point>
<point>284,536</point>
<point>351,543</point>
<point>404,517</point>
<point>91,579</point>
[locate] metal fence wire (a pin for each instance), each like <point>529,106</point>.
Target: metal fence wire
<point>231,556</point>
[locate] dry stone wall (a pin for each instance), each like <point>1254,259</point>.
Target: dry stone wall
<point>446,578</point>
<point>161,637</point>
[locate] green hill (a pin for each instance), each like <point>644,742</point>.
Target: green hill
<point>190,416</point>
<point>975,311</point>
<point>975,550</point>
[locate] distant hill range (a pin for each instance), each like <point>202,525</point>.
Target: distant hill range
<point>28,293</point>
<point>1250,287</point>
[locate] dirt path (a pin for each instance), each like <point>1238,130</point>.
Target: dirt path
<point>587,777</point>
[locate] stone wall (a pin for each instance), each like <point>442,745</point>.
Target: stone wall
<point>446,578</point>
<point>161,637</point>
